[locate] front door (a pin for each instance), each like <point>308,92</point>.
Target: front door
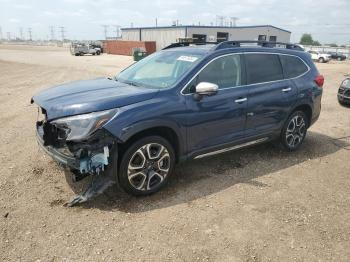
<point>218,119</point>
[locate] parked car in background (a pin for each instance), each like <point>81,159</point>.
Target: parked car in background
<point>177,104</point>
<point>337,56</point>
<point>320,56</point>
<point>344,92</point>
<point>79,49</point>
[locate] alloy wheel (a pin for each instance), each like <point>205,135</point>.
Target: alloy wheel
<point>296,131</point>
<point>149,166</point>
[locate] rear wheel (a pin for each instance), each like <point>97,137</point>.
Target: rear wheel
<point>146,166</point>
<point>339,59</point>
<point>294,131</point>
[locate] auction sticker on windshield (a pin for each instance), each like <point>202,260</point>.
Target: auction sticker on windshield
<point>188,58</point>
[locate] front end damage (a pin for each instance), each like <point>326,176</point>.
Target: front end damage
<point>87,157</point>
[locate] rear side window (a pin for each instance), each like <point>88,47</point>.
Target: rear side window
<point>293,66</point>
<point>263,68</point>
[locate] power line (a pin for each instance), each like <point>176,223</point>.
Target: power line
<point>21,33</point>
<point>62,31</point>
<point>29,33</point>
<point>220,19</point>
<point>52,32</point>
<point>233,22</point>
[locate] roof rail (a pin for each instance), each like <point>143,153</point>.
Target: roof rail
<point>237,43</point>
<point>232,44</point>
<point>188,44</point>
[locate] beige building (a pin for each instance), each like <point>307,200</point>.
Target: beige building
<point>164,36</point>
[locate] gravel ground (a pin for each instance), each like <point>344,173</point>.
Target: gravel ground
<point>255,204</point>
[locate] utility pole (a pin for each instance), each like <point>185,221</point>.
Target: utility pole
<point>52,32</point>
<point>1,33</point>
<point>221,19</point>
<point>30,34</point>
<point>63,31</point>
<point>21,33</point>
<point>156,22</point>
<point>9,36</point>
<point>234,21</point>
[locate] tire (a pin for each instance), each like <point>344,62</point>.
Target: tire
<point>77,54</point>
<point>98,53</point>
<point>141,174</point>
<point>339,59</point>
<point>321,60</point>
<point>294,131</point>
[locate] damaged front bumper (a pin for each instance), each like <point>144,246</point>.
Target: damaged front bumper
<point>83,158</point>
<point>63,159</point>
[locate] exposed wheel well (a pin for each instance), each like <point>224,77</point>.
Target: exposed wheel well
<point>164,132</point>
<point>306,109</point>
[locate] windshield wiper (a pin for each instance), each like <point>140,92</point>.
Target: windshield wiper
<point>131,83</point>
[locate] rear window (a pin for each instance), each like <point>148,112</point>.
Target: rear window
<point>263,68</point>
<point>293,66</point>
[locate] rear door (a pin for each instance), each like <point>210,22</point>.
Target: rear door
<point>269,93</point>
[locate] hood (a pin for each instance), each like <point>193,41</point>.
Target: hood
<point>82,97</point>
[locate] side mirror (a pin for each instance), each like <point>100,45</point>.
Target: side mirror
<point>205,89</point>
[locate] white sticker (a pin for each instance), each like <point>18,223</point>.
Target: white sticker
<point>187,58</point>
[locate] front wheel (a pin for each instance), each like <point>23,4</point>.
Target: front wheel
<point>294,131</point>
<point>321,60</point>
<point>146,166</point>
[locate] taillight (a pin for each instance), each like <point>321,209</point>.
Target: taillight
<point>319,80</point>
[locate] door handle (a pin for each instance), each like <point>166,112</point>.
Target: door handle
<point>240,100</point>
<point>286,90</point>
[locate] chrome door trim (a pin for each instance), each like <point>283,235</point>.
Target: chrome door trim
<point>241,53</point>
<point>232,148</point>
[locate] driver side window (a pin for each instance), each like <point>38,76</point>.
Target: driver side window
<point>224,71</point>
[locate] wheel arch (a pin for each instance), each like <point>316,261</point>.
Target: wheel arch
<point>164,131</point>
<point>306,108</point>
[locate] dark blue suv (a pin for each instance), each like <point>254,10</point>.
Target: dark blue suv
<point>177,104</point>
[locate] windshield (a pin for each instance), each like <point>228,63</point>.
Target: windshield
<point>160,70</point>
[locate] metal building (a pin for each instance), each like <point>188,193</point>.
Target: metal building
<point>164,36</point>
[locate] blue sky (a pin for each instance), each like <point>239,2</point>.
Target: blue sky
<point>328,21</point>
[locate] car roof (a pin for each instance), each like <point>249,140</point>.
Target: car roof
<point>209,49</point>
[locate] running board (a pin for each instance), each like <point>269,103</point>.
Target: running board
<point>233,148</point>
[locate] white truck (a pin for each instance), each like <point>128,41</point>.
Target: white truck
<point>79,49</point>
<point>320,57</point>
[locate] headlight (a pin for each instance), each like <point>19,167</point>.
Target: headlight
<point>346,83</point>
<point>81,126</point>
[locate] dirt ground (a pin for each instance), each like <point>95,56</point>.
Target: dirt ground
<point>255,204</point>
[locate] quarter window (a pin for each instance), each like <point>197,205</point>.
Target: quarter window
<point>263,68</point>
<point>292,66</point>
